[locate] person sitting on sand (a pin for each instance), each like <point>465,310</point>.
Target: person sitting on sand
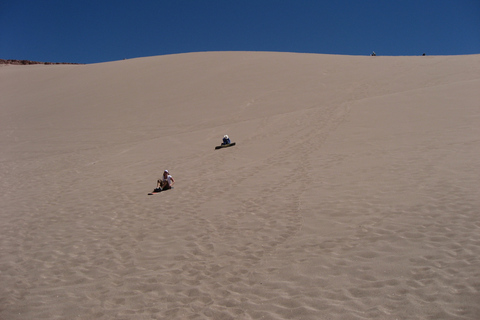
<point>226,140</point>
<point>166,182</point>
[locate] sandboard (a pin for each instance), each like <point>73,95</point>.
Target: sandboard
<point>225,146</point>
<point>157,192</point>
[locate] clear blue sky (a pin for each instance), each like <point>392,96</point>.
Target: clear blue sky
<point>89,31</point>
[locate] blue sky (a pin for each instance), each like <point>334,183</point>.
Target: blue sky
<point>90,31</point>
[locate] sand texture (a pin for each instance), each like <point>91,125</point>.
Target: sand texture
<point>353,191</point>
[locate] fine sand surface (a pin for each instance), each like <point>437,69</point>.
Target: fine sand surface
<point>353,191</point>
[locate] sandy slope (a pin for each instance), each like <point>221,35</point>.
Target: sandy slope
<point>353,191</point>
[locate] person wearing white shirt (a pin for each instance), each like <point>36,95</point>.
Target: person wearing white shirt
<point>166,182</point>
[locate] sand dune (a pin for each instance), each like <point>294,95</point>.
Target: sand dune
<point>352,193</point>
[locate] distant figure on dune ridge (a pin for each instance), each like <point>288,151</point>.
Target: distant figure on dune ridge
<point>226,140</point>
<point>373,54</point>
<point>166,182</point>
